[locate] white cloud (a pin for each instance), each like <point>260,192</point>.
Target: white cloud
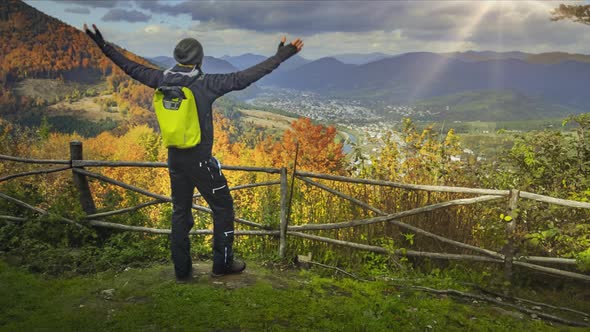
<point>152,29</point>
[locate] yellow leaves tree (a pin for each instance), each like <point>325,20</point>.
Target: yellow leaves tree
<point>427,155</point>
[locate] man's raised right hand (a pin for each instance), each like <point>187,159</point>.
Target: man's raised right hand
<point>287,51</point>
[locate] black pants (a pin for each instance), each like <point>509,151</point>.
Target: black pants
<point>189,170</point>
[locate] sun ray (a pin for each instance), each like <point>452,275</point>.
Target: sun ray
<point>509,7</point>
<point>463,34</point>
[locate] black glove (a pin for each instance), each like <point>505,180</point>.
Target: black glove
<point>285,52</point>
<point>96,36</point>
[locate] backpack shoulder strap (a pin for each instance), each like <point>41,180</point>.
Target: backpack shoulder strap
<point>172,92</point>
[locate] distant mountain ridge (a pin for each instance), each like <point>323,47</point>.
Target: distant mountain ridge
<point>360,58</point>
<point>475,56</point>
<point>210,64</point>
<point>412,77</point>
<point>540,58</point>
<point>244,61</point>
<point>248,60</point>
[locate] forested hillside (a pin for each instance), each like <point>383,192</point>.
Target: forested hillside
<point>37,46</point>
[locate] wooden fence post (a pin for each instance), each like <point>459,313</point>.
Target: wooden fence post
<point>509,248</point>
<point>80,180</point>
<point>283,227</point>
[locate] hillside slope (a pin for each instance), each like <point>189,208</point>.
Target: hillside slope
<point>491,105</point>
<point>37,46</point>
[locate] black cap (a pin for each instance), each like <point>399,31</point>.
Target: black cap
<point>189,52</point>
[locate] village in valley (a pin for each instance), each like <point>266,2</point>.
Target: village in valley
<point>358,124</point>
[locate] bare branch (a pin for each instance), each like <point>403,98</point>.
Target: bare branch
<point>454,292</point>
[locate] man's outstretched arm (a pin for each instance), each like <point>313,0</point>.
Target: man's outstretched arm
<point>146,75</point>
<point>221,84</point>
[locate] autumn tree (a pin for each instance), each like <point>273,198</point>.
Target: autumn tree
<point>318,150</point>
<point>35,45</point>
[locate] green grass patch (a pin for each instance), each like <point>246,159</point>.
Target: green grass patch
<point>494,105</point>
<point>263,299</point>
<point>68,124</point>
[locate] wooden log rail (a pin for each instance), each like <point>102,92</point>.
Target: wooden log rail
<point>100,163</point>
<point>40,171</point>
<point>447,189</point>
<point>493,256</point>
<point>157,196</point>
<point>507,257</point>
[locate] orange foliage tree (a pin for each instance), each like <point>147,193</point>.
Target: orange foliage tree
<point>318,150</point>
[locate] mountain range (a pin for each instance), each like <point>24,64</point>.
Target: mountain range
<point>246,60</point>
<point>514,84</point>
<point>414,76</point>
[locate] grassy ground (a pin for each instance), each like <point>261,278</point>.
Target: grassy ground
<point>85,108</point>
<point>266,119</point>
<point>262,299</point>
<point>48,89</point>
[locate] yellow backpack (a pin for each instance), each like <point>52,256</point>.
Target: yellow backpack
<point>178,117</point>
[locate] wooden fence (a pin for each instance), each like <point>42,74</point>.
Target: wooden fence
<point>506,257</point>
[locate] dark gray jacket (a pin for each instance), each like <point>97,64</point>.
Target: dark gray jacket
<point>205,87</point>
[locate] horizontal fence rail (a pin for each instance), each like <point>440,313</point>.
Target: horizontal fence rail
<point>407,186</point>
<point>390,217</point>
<point>553,200</point>
<point>506,257</point>
<point>40,171</point>
<point>100,163</point>
<point>35,161</point>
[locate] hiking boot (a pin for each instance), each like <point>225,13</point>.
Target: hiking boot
<point>236,266</point>
<point>185,279</point>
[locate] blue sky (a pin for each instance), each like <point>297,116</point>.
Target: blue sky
<point>152,28</point>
